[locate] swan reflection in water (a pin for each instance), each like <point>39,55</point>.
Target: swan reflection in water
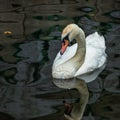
<point>84,60</point>
<point>77,109</point>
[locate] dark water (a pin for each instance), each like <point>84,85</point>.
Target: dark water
<point>29,40</point>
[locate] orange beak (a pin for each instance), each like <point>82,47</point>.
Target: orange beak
<point>64,46</point>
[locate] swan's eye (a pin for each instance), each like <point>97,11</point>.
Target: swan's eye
<point>72,42</point>
<point>66,37</point>
<point>63,42</point>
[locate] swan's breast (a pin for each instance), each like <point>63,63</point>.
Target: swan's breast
<point>64,71</point>
<point>61,66</point>
<point>61,73</point>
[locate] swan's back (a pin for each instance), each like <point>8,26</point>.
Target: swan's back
<point>95,40</point>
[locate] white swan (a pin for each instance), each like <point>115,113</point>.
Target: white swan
<point>84,60</point>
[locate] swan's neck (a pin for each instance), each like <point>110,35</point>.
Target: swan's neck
<point>78,59</point>
<point>80,53</point>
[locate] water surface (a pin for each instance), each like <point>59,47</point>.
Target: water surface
<point>29,41</point>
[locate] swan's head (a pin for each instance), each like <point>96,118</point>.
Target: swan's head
<point>70,33</point>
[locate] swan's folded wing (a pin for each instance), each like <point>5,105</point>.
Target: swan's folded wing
<point>94,59</point>
<point>95,40</point>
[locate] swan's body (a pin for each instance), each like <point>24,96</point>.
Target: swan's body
<point>84,60</point>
